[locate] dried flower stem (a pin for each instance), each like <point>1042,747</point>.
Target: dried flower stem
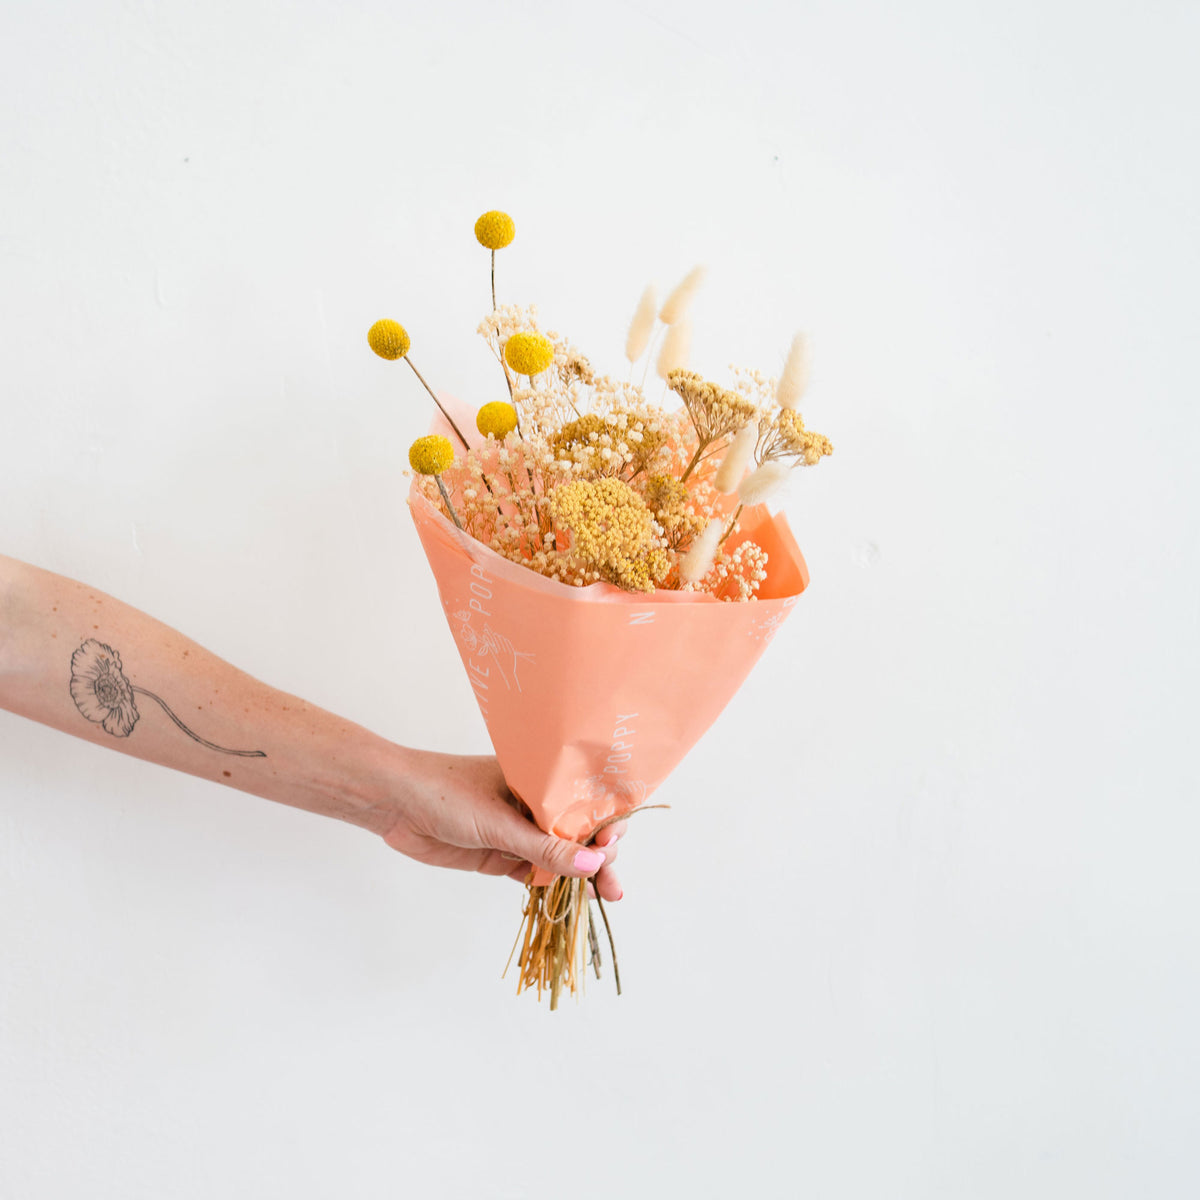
<point>555,931</point>
<point>737,512</point>
<point>446,497</point>
<point>437,402</point>
<point>695,461</point>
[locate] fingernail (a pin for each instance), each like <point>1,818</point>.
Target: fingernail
<point>589,861</point>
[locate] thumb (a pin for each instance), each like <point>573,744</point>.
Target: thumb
<point>557,855</point>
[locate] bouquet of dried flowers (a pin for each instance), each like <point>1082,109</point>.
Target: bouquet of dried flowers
<point>607,565</point>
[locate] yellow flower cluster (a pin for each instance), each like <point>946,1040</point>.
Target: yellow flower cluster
<point>671,503</point>
<point>529,353</point>
<point>611,532</point>
<point>497,419</point>
<point>430,455</point>
<point>389,339</point>
<point>792,440</point>
<point>716,412</point>
<point>495,230</point>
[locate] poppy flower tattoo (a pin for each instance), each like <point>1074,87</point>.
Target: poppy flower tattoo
<point>104,695</point>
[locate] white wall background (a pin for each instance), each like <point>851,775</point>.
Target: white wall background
<point>921,922</point>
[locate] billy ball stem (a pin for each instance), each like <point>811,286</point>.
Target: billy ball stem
<point>458,432</point>
<point>494,230</point>
<point>446,498</point>
<point>390,340</point>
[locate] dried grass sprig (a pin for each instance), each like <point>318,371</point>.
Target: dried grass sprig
<point>794,379</point>
<point>698,561</point>
<point>759,486</point>
<point>675,349</point>
<point>642,325</point>
<point>737,459</point>
<point>678,302</point>
<point>556,926</point>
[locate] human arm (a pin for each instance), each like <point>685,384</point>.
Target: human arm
<point>83,662</point>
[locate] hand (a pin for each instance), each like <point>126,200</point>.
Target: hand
<point>457,812</point>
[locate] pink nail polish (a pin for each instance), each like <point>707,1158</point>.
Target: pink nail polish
<point>589,861</point>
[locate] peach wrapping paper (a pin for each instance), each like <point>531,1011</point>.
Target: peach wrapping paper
<point>593,695</point>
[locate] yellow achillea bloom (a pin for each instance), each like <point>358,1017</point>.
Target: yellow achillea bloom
<point>612,532</point>
<point>528,353</point>
<point>498,418</point>
<point>389,339</point>
<point>431,455</point>
<point>495,230</point>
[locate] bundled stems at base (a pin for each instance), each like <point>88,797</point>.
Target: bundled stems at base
<point>556,924</point>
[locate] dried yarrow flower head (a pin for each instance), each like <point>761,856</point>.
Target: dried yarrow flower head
<point>610,533</point>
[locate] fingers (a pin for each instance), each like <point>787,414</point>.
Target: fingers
<point>522,846</point>
<point>512,834</point>
<point>607,884</point>
<point>611,833</point>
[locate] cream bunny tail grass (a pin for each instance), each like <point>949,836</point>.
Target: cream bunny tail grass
<point>676,347</point>
<point>761,485</point>
<point>733,465</point>
<point>642,325</point>
<point>794,379</point>
<point>697,562</point>
<point>677,302</point>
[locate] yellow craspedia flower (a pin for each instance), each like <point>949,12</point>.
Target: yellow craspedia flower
<point>498,418</point>
<point>495,230</point>
<point>528,353</point>
<point>430,455</point>
<point>389,339</point>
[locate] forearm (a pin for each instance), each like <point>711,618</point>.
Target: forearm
<point>76,659</point>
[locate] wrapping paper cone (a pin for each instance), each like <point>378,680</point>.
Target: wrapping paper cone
<point>593,695</point>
